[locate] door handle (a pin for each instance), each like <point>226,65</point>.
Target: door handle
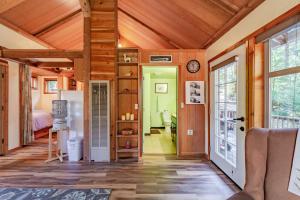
<point>239,119</point>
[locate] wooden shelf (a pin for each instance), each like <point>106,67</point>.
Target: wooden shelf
<point>131,150</point>
<point>127,136</point>
<point>131,159</point>
<point>127,64</point>
<point>127,96</point>
<point>128,92</point>
<point>128,49</point>
<point>127,77</point>
<point>127,121</point>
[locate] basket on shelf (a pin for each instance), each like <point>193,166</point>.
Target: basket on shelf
<point>127,131</point>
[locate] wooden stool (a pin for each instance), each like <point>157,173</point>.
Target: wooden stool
<point>59,155</point>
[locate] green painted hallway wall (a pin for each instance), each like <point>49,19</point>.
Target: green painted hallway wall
<point>153,106</point>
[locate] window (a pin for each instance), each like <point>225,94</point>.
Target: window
<point>284,78</point>
<point>34,83</point>
<point>50,86</point>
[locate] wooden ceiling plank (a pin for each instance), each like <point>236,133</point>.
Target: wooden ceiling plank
<point>25,34</point>
<point>39,53</point>
<point>8,4</point>
<point>55,64</point>
<point>58,23</point>
<point>85,7</point>
<point>172,43</point>
<point>233,21</point>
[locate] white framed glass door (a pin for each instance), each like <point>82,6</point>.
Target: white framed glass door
<point>228,112</point>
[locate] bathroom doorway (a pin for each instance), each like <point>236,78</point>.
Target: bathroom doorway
<point>159,99</point>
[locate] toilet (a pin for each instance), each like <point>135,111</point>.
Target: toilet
<point>166,116</point>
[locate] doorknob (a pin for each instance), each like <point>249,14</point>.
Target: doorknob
<point>239,119</point>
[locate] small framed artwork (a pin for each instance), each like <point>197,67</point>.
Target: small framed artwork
<point>194,92</point>
<point>161,88</point>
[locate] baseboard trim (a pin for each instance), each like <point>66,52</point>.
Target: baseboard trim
<point>193,155</point>
<point>14,149</point>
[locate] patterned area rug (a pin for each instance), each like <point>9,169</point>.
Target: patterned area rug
<point>53,194</point>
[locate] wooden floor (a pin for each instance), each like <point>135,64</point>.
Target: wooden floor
<point>156,177</point>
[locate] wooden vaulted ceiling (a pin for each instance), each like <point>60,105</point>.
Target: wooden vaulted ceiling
<point>148,24</point>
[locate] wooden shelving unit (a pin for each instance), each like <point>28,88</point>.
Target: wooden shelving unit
<point>127,146</point>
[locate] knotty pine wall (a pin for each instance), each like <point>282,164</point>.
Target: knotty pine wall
<point>100,36</point>
<point>191,116</point>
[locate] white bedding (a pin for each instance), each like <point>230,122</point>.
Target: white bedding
<point>41,119</point>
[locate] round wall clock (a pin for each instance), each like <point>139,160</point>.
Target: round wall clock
<point>193,66</point>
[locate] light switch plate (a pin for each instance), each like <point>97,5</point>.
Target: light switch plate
<point>190,132</point>
<point>136,106</point>
<point>182,105</point>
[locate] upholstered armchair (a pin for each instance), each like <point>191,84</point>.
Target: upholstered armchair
<point>269,156</point>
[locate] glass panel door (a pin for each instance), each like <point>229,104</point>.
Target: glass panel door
<point>226,107</point>
<point>228,112</point>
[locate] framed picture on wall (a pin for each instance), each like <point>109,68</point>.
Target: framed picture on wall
<point>194,92</point>
<point>161,88</point>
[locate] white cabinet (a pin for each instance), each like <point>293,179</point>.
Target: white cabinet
<point>99,121</point>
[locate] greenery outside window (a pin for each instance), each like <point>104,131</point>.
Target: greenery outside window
<point>284,79</point>
<point>50,85</point>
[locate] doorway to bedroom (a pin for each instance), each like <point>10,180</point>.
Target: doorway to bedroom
<point>159,94</point>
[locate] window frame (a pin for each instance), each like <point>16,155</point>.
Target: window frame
<point>272,74</point>
<point>46,80</point>
<point>34,83</point>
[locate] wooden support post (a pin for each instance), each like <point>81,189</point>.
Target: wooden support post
<point>86,99</point>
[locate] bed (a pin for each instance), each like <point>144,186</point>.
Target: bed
<point>41,122</point>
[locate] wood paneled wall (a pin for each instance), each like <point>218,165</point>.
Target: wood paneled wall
<point>190,116</point>
<point>4,93</point>
<point>259,86</point>
<point>101,54</point>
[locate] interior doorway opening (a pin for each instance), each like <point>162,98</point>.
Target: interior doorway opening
<point>159,96</point>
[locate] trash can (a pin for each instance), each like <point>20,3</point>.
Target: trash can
<point>75,149</point>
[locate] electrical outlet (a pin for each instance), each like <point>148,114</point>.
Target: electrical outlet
<point>190,132</point>
<point>136,106</point>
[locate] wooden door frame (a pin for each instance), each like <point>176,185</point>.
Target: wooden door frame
<point>4,64</point>
<point>140,100</point>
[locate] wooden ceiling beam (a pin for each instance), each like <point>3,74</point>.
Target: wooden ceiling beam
<point>85,7</point>
<point>58,23</point>
<point>55,64</point>
<point>228,7</point>
<point>39,53</point>
<point>8,4</point>
<point>233,21</point>
<point>25,34</point>
<point>151,29</point>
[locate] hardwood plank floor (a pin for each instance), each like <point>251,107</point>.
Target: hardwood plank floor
<point>156,177</point>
